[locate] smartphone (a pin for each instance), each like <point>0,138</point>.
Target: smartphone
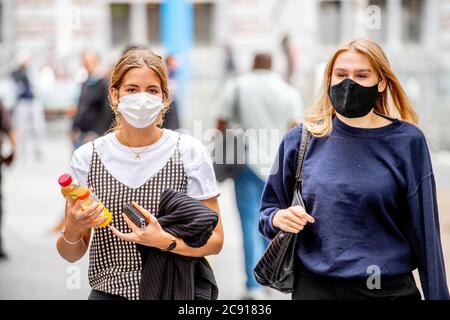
<point>144,212</point>
<point>135,215</point>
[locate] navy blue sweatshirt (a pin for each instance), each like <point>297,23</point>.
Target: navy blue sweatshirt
<point>372,195</point>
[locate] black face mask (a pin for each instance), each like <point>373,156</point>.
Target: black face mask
<point>351,99</point>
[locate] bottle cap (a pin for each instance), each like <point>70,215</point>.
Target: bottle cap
<point>65,180</point>
<point>82,193</point>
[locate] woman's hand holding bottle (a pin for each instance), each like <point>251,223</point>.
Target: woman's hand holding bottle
<point>80,220</point>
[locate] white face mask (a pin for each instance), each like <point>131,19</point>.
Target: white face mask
<point>140,109</point>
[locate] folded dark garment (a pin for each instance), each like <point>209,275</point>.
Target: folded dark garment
<point>168,276</point>
<point>186,217</point>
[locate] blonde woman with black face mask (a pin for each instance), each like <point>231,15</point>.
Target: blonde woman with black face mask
<point>137,161</point>
<point>368,186</point>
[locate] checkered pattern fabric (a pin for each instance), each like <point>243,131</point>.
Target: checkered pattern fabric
<point>114,264</point>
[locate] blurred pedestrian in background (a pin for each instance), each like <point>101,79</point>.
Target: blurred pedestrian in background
<point>290,55</point>
<point>230,63</point>
<point>5,130</point>
<point>171,118</point>
<point>368,186</point>
<point>28,112</point>
<point>94,116</point>
<point>263,105</point>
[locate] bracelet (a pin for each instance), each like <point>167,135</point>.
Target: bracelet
<point>71,242</point>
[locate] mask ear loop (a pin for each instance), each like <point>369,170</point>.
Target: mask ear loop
<point>118,98</point>
<point>379,80</point>
<point>378,83</point>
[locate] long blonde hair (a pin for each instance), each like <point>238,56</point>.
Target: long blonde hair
<point>139,57</point>
<point>392,102</point>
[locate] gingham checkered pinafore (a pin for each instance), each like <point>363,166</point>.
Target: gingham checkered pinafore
<point>115,265</point>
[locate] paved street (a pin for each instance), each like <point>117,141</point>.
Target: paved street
<point>32,205</point>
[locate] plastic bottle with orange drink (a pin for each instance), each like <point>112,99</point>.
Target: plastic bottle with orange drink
<point>68,187</point>
<point>87,198</point>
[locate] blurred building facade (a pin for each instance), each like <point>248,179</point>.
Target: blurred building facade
<point>414,33</point>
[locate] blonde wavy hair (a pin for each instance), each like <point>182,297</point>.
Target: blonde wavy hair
<point>392,102</point>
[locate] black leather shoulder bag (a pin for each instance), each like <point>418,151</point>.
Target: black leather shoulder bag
<point>275,269</point>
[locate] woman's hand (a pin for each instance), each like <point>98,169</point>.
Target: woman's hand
<point>292,219</point>
<point>152,235</point>
<point>78,221</point>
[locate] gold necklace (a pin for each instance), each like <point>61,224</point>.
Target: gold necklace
<point>138,154</point>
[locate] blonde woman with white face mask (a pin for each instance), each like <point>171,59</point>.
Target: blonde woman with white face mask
<point>137,161</point>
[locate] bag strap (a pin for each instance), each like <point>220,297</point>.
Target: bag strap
<point>304,141</point>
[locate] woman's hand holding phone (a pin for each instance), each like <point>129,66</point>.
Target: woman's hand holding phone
<point>152,235</point>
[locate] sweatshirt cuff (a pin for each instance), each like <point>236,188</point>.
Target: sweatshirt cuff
<point>269,229</point>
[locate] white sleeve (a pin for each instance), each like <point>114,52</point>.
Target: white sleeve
<point>226,101</point>
<point>80,164</point>
<point>199,169</point>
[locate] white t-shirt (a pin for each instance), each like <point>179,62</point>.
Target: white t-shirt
<point>120,162</point>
